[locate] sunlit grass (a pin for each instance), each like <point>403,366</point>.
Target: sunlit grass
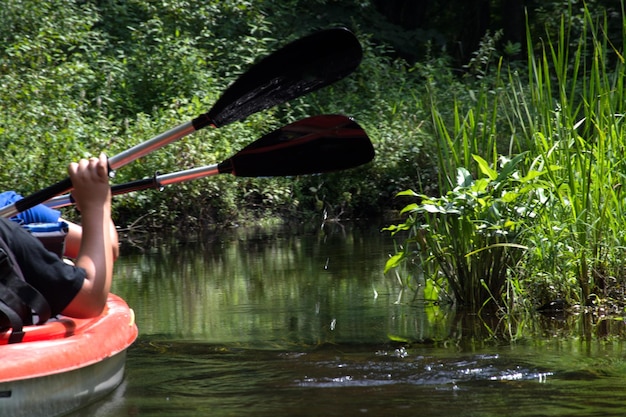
<point>554,220</point>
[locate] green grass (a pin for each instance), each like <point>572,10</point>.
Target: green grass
<point>552,226</point>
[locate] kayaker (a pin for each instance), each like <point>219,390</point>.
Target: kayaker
<point>79,290</point>
<point>44,214</point>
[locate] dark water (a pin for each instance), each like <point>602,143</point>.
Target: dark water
<point>280,324</point>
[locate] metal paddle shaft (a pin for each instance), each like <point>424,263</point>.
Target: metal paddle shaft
<point>309,146</point>
<point>303,66</point>
<point>157,181</point>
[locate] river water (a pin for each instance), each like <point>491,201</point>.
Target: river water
<point>281,323</point>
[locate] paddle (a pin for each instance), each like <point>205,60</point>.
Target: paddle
<point>309,146</point>
<point>298,68</point>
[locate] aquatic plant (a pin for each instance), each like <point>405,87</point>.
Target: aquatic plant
<point>468,240</point>
<point>561,203</point>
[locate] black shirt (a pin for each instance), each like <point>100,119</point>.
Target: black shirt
<point>56,280</point>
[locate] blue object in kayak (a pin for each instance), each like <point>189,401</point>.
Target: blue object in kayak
<point>38,214</point>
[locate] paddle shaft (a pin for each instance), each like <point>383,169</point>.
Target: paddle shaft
<point>115,162</point>
<point>312,145</point>
<point>155,182</point>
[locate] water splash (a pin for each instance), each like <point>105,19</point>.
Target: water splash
<point>399,367</point>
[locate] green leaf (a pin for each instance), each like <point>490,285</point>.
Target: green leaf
<point>484,167</point>
<point>409,193</point>
<point>409,208</point>
<point>394,261</point>
<point>431,291</point>
<point>509,197</point>
<point>399,339</point>
<point>531,176</point>
<point>463,177</point>
<point>480,186</point>
<point>509,166</point>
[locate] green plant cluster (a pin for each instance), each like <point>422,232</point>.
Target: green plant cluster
<point>469,239</point>
<point>552,227</point>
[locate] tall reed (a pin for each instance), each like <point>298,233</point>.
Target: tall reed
<point>530,176</point>
<point>574,116</point>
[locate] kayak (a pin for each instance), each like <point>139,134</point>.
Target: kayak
<point>66,363</point>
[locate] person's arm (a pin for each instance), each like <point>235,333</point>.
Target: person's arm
<point>74,236</point>
<point>92,194</point>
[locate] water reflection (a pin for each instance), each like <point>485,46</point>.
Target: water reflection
<point>306,287</point>
<point>274,289</point>
<point>174,378</point>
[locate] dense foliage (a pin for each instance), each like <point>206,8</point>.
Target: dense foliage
<point>80,77</point>
<point>504,118</point>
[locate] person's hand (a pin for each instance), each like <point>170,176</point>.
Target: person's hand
<point>90,179</point>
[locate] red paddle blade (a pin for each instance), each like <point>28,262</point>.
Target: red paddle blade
<point>309,146</point>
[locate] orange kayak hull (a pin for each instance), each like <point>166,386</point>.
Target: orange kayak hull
<point>65,363</point>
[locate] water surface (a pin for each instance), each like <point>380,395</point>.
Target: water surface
<point>306,324</point>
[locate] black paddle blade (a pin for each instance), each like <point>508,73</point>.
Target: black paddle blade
<point>298,68</point>
<point>309,146</point>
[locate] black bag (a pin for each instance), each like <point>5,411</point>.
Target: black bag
<point>19,301</point>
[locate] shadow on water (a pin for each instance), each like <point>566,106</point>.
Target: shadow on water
<point>305,324</point>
